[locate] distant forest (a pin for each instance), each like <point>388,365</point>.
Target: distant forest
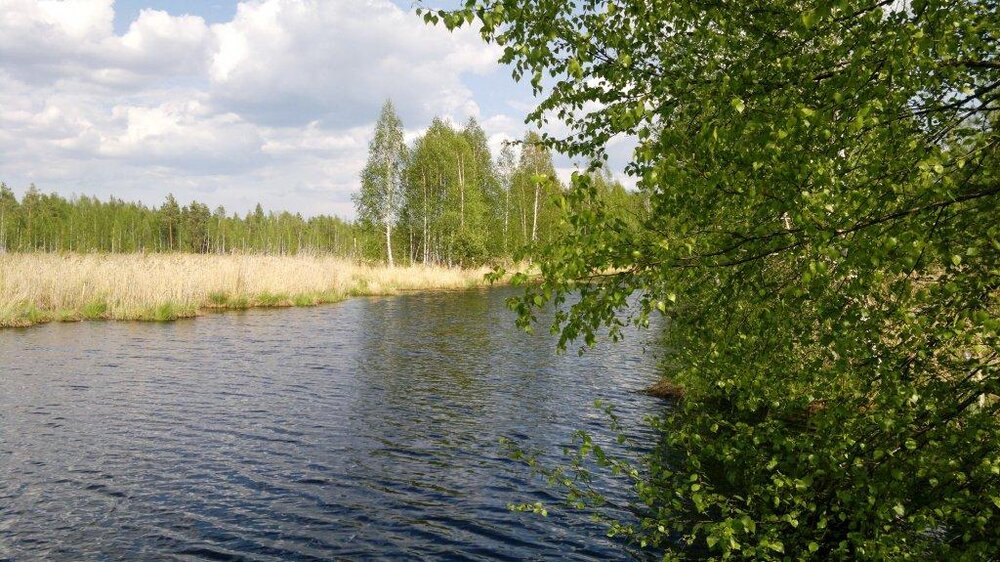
<point>456,205</point>
<point>52,223</point>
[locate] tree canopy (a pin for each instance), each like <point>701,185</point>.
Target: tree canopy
<point>822,231</point>
<point>459,206</point>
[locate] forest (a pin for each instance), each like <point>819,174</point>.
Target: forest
<point>452,204</point>
<point>52,223</point>
<point>445,200</point>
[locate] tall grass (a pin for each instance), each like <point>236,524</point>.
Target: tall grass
<point>37,288</point>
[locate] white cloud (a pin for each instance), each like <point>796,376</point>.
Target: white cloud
<point>274,106</point>
<point>289,62</point>
<point>315,140</point>
<point>78,19</point>
<point>169,44</point>
<point>502,129</point>
<point>47,41</point>
<point>184,136</point>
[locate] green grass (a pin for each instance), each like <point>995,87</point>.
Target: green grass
<point>168,312</point>
<point>218,298</point>
<point>359,288</point>
<point>272,300</point>
<point>34,315</point>
<point>94,310</point>
<point>67,315</point>
<point>28,314</point>
<point>165,313</point>
<point>305,300</point>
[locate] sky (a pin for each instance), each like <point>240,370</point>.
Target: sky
<point>232,103</point>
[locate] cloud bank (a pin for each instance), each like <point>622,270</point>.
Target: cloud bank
<point>274,106</point>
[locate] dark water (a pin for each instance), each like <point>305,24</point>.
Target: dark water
<point>363,430</point>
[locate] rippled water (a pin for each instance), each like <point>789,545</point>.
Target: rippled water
<point>367,429</point>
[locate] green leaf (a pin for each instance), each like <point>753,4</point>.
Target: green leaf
<point>574,68</point>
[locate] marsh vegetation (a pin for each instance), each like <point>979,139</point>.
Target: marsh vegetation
<point>44,287</point>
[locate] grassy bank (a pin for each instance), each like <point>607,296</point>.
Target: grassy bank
<point>37,288</point>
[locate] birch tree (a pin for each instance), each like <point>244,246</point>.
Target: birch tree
<point>822,182</point>
<point>536,173</point>
<point>381,197</point>
<point>506,166</point>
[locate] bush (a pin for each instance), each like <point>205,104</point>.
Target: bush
<point>469,249</point>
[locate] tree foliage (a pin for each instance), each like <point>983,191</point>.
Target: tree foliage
<point>459,206</point>
<point>380,199</point>
<point>51,223</point>
<point>822,231</point>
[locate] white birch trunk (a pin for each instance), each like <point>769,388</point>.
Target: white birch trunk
<point>534,219</point>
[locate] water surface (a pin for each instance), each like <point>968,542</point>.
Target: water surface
<point>367,429</point>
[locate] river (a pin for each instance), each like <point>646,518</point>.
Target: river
<point>368,429</point>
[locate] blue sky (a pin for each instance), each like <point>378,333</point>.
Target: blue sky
<point>213,11</point>
<point>126,11</point>
<point>231,103</point>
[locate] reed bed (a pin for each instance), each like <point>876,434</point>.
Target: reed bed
<point>37,288</point>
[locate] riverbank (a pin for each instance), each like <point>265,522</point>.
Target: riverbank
<point>38,288</point>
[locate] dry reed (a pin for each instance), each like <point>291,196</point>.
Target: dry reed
<point>37,288</point>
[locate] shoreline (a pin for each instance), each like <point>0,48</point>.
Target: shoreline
<point>40,288</point>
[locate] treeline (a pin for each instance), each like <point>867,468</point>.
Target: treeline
<point>52,223</point>
<point>445,199</point>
